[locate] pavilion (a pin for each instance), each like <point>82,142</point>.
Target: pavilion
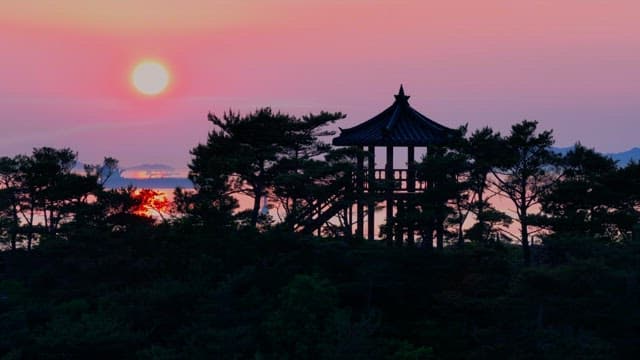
<point>399,125</point>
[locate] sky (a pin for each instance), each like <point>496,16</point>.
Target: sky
<point>65,68</point>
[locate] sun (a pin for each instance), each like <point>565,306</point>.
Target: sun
<point>150,77</point>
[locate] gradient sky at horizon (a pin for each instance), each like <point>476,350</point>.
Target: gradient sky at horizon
<point>64,68</point>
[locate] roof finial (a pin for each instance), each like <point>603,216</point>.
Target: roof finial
<point>401,96</point>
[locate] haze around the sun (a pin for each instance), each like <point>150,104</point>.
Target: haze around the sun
<point>65,68</point>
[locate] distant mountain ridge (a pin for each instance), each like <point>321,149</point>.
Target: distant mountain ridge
<point>626,157</point>
<point>622,158</point>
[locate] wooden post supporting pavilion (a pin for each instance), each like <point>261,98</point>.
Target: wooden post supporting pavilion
<point>360,192</point>
<point>389,180</point>
<point>411,188</point>
<point>371,205</point>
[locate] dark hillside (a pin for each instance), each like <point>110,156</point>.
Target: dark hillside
<point>169,294</point>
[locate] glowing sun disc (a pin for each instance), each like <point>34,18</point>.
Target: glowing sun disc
<point>150,77</point>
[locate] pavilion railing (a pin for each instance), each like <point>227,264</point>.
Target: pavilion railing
<point>402,179</point>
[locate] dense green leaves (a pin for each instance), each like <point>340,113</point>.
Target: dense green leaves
<point>264,153</point>
<point>279,295</point>
<point>524,171</point>
<point>445,171</point>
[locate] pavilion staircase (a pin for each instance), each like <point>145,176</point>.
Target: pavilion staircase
<point>312,217</point>
<point>342,196</point>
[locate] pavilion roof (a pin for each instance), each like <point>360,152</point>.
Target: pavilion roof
<point>398,125</point>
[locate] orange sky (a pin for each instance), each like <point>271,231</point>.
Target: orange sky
<point>64,67</point>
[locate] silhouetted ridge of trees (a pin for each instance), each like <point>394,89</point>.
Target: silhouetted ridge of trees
<point>87,272</point>
<point>41,198</point>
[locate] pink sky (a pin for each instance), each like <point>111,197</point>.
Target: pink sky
<point>64,68</point>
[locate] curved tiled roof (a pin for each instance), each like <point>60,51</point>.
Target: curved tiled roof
<point>398,125</point>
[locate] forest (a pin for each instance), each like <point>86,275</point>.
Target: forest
<point>92,272</point>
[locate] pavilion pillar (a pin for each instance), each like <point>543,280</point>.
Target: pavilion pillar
<point>371,205</point>
<point>411,188</point>
<point>427,233</point>
<point>360,193</point>
<point>411,172</point>
<point>389,180</point>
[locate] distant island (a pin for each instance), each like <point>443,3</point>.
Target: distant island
<point>151,183</point>
<point>147,176</point>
